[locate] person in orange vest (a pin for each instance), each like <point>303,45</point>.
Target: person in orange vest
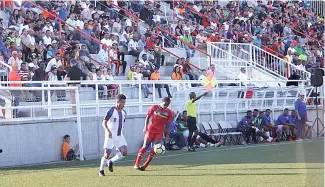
<point>14,76</point>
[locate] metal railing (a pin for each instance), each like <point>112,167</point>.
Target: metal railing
<point>259,57</point>
<point>185,43</point>
<point>4,71</point>
<point>53,99</point>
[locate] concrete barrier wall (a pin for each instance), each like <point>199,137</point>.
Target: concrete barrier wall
<point>32,142</point>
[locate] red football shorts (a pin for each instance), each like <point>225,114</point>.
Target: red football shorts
<point>151,136</point>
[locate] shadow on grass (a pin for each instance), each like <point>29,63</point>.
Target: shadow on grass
<point>303,152</point>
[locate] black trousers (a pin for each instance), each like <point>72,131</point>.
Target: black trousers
<point>207,138</point>
<point>193,132</point>
<point>159,86</point>
<point>248,132</point>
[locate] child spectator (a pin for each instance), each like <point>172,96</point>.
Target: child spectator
<point>69,153</point>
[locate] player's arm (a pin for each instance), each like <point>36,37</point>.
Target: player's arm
<point>106,119</point>
<point>146,123</point>
<point>199,97</point>
<point>167,125</point>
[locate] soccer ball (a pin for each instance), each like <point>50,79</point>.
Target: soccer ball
<point>159,149</point>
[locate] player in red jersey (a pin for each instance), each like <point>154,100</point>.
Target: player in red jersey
<point>157,121</point>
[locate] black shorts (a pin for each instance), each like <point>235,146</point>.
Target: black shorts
<point>191,124</point>
<point>71,155</point>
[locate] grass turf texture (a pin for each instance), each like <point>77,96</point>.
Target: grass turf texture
<point>283,164</point>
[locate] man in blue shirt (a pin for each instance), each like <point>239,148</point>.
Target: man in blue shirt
<point>283,123</point>
<point>301,110</point>
<point>268,126</point>
<point>246,127</point>
<point>293,118</point>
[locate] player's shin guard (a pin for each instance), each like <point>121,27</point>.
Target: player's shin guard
<point>150,157</point>
<point>117,157</point>
<point>103,162</point>
<point>139,157</point>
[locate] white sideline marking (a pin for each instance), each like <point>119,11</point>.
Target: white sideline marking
<point>166,156</point>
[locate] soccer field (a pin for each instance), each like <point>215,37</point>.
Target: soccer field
<point>282,164</point>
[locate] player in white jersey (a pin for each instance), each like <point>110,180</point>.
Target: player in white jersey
<point>113,126</point>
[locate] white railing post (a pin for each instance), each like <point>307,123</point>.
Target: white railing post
<point>49,102</point>
<point>154,92</point>
<point>251,55</point>
<point>81,150</point>
<point>97,99</point>
<point>140,97</point>
<point>43,95</point>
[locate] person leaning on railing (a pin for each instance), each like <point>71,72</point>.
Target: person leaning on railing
<point>156,76</point>
<point>74,74</point>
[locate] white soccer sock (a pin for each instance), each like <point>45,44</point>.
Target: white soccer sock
<point>117,157</point>
<point>103,162</point>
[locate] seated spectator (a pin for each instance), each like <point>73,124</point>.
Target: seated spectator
<point>182,124</point>
<point>114,54</point>
<point>203,75</point>
<point>283,123</point>
<point>55,61</point>
<point>133,47</point>
<point>137,76</point>
<point>101,77</point>
<point>112,88</point>
<point>187,69</point>
<point>260,129</point>
<point>125,38</point>
<point>177,136</point>
<point>268,126</point>
<point>201,40</point>
<point>131,72</point>
<point>177,73</point>
<point>69,153</point>
<point>246,127</point>
<point>156,76</point>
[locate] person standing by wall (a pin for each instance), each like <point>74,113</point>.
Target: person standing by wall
<point>301,110</point>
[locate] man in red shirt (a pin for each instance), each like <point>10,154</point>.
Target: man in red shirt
<point>157,121</point>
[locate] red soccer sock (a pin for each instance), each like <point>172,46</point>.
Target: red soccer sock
<point>150,157</point>
<point>139,157</point>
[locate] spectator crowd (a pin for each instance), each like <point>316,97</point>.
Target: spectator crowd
<point>44,43</point>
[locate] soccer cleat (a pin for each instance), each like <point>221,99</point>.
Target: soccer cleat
<point>101,173</point>
<point>141,168</point>
<point>110,166</point>
<point>191,149</point>
<point>135,167</point>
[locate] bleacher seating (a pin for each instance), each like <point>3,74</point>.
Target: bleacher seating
<point>160,14</point>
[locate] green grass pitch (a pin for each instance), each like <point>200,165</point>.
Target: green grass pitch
<point>283,164</point>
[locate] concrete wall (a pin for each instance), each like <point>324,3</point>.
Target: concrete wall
<point>40,141</point>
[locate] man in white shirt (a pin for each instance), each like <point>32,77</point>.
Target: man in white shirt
<point>105,41</point>
<point>48,26</point>
<point>243,76</point>
<point>47,40</point>
<point>56,61</point>
<point>133,47</point>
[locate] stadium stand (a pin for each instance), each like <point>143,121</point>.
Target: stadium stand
<point>133,47</point>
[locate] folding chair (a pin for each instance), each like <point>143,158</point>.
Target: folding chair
<point>233,137</point>
<point>220,135</point>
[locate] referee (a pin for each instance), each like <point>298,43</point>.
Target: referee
<point>191,119</point>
